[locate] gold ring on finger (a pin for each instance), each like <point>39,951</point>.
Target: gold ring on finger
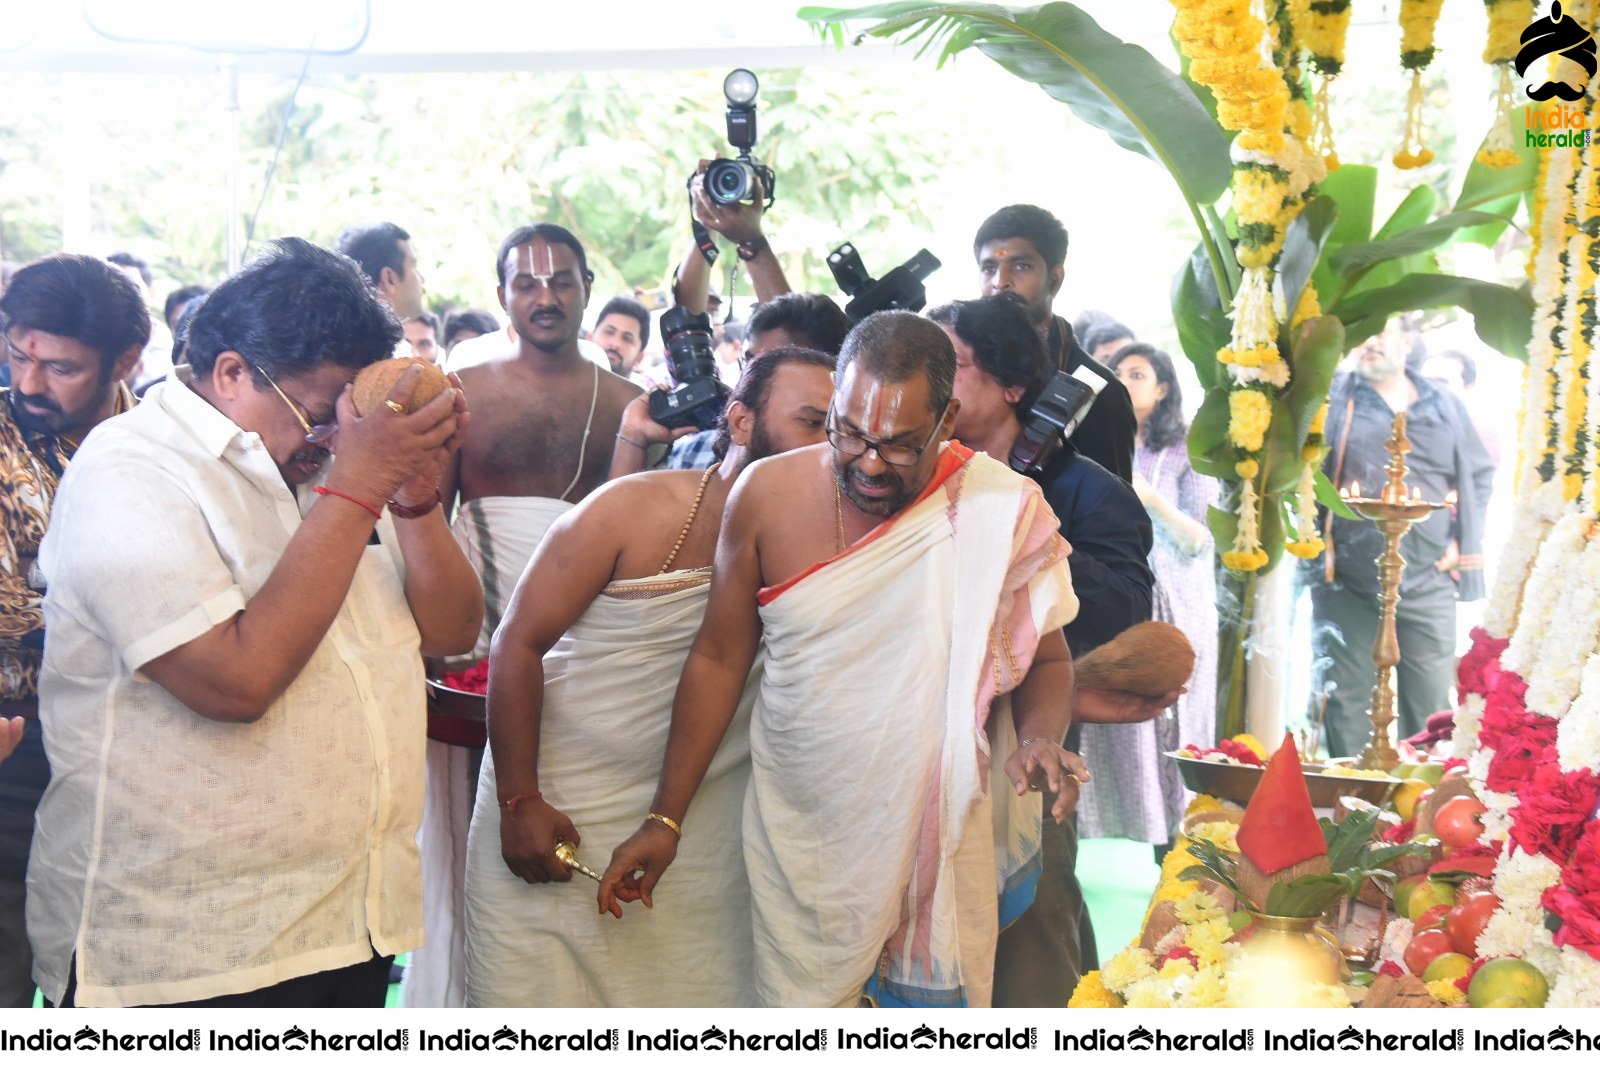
<point>395,406</point>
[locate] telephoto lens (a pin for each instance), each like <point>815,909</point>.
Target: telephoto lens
<point>699,396</point>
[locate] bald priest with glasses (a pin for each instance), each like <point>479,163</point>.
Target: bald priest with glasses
<point>243,576</point>
<point>908,595</point>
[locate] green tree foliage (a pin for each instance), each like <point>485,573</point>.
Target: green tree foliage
<point>460,160</point>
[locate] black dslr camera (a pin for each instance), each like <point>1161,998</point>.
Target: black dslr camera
<point>729,181</point>
<point>699,397</point>
<point>1054,418</point>
<point>900,288</point>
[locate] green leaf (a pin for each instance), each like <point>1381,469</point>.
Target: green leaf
<point>1352,259</point>
<point>1214,864</point>
<point>1415,209</point>
<point>1354,188</point>
<point>1198,314</point>
<point>1110,84</point>
<point>1302,246</point>
<point>1329,497</point>
<point>1209,451</point>
<point>1309,895</point>
<point>1502,316</point>
<point>1489,233</point>
<point>1314,353</point>
<point>1484,186</point>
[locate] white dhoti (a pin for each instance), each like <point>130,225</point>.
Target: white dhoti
<point>609,685</point>
<point>877,857</point>
<point>498,536</point>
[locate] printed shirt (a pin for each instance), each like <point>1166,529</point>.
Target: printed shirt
<point>31,463</point>
<point>177,857</point>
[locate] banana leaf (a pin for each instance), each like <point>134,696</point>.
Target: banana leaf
<point>1117,87</point>
<point>1198,314</point>
<point>1502,316</point>
<point>1329,498</point>
<point>1484,186</point>
<point>1314,353</point>
<point>1354,188</point>
<point>1302,246</point>
<point>1354,260</point>
<point>1209,452</point>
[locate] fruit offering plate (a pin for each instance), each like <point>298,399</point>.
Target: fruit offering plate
<point>1236,782</point>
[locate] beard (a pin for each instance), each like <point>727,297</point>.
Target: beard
<point>897,497</point>
<point>1379,366</point>
<point>760,446</point>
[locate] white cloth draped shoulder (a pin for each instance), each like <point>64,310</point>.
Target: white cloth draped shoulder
<point>609,685</point>
<point>874,850</point>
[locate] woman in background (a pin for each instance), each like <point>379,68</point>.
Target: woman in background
<point>1135,792</point>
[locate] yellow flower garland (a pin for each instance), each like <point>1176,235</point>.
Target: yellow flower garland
<point>1091,993</point>
<point>1418,20</point>
<point>1326,25</point>
<point>1507,18</point>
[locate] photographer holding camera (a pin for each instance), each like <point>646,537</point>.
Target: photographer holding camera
<point>1002,369</point>
<point>808,320</point>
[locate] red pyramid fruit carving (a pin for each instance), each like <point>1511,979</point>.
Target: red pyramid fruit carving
<point>1279,827</point>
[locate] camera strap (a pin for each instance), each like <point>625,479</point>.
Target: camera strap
<point>702,236</point>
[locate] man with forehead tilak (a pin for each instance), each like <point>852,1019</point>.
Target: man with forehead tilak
<point>580,699</point>
<point>898,585</point>
<point>543,422</point>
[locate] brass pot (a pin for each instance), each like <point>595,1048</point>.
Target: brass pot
<point>1285,963</point>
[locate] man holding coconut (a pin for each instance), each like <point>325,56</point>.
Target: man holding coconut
<point>233,688</point>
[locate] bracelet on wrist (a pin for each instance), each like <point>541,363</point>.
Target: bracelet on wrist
<point>1030,741</point>
<point>641,446</point>
<point>415,511</point>
<point>749,250</point>
<point>666,821</point>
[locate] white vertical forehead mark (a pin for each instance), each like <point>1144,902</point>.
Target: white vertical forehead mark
<point>536,259</point>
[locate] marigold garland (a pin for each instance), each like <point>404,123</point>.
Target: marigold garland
<point>1326,25</point>
<point>1418,20</point>
<point>1252,66</point>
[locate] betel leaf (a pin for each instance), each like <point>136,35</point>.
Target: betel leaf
<point>1117,87</point>
<point>1306,896</point>
<point>1502,316</point>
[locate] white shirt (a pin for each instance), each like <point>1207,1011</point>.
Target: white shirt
<point>177,857</point>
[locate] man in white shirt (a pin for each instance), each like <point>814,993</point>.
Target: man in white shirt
<point>232,694</point>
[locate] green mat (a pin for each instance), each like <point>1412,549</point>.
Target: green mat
<point>1118,877</point>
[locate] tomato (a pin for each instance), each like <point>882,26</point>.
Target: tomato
<point>1466,921</point>
<point>1425,946</point>
<point>1458,822</point>
<point>1433,917</point>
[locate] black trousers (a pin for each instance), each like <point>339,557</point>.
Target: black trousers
<point>358,986</point>
<point>1045,951</point>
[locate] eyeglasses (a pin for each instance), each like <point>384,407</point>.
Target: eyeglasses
<point>320,434</point>
<point>849,444</point>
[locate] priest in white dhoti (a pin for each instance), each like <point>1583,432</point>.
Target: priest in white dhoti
<point>907,596</point>
<point>543,420</point>
<point>580,692</point>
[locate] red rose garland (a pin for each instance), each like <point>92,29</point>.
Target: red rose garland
<point>1553,810</point>
<point>1575,900</point>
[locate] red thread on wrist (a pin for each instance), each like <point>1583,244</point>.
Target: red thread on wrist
<point>509,805</point>
<point>327,492</point>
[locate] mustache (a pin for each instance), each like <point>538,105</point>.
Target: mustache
<point>883,481</point>
<point>44,403</point>
<point>1552,89</point>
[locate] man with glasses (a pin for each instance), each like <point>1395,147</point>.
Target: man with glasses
<point>75,326</point>
<point>897,584</point>
<point>232,691</point>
